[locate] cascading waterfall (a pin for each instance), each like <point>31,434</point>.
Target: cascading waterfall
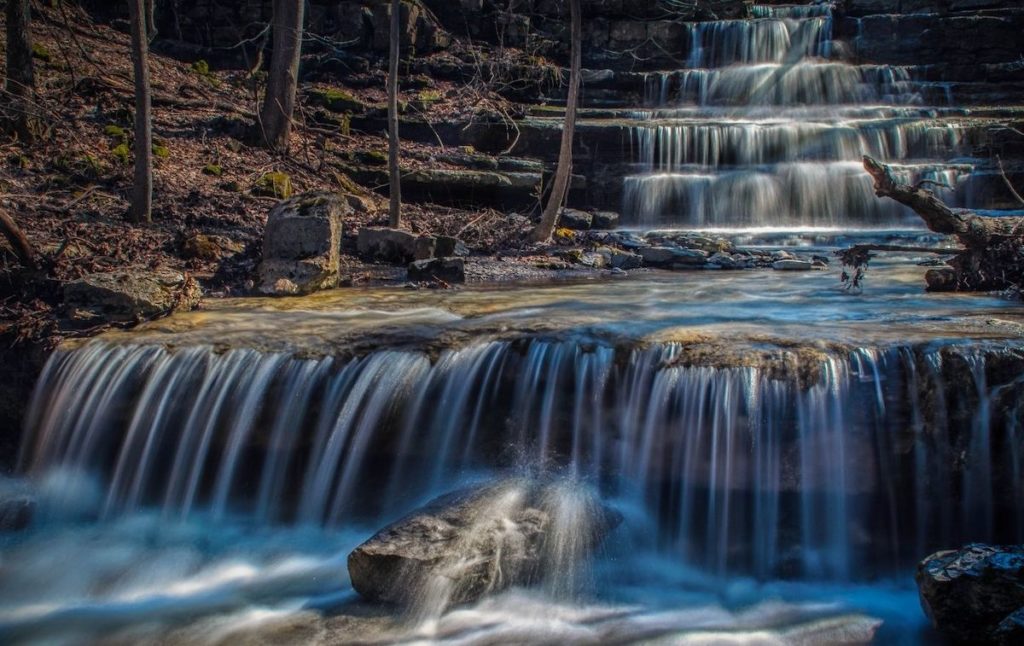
<point>764,129</point>
<point>742,469</point>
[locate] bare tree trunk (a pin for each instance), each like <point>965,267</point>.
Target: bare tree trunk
<point>395,188</point>
<point>23,249</point>
<point>151,19</point>
<point>20,83</point>
<point>275,117</point>
<point>563,174</point>
<point>142,191</point>
<point>993,257</point>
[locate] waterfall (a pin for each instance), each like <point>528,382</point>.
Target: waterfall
<point>790,467</point>
<point>764,127</point>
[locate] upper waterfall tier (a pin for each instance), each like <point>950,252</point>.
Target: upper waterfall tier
<point>721,43</point>
<point>806,82</point>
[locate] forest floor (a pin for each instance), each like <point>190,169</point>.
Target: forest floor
<point>69,189</point>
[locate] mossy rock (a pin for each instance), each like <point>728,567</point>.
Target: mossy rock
<point>371,157</point>
<point>337,100</point>
<point>161,151</point>
<point>122,153</point>
<point>346,184</point>
<point>201,67</point>
<point>213,170</point>
<point>415,82</point>
<point>277,185</point>
<point>115,131</point>
<point>39,51</point>
<point>429,96</point>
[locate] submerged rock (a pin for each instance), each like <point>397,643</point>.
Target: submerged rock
<point>469,543</point>
<point>301,244</point>
<point>130,294</point>
<point>793,264</point>
<point>974,594</point>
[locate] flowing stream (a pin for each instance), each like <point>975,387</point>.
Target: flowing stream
<point>781,452</point>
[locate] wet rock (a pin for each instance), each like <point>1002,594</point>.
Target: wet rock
<point>619,259</point>
<point>449,270</point>
<point>793,264</point>
<point>663,256</point>
<point>687,258</point>
<point>449,246</point>
<point>575,220</point>
<point>605,220</point>
<point>974,593</point>
<point>131,294</point>
<point>941,279</point>
<point>467,544</point>
<point>726,261</point>
<point>17,507</point>
<point>301,244</point>
<point>1011,629</point>
<point>394,245</point>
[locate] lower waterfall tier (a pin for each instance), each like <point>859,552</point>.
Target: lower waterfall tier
<point>809,464</point>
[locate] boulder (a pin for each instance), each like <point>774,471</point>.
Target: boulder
<point>605,220</point>
<point>974,594</point>
<point>657,256</point>
<point>941,279</point>
<point>394,245</point>
<point>449,246</point>
<point>625,260</point>
<point>131,294</point>
<point>209,247</point>
<point>449,270</point>
<point>469,543</point>
<point>302,244</point>
<point>575,220</point>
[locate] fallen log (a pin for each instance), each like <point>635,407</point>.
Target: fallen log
<point>993,254</point>
<point>21,246</point>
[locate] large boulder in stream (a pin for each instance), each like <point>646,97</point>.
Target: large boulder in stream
<point>469,543</point>
<point>302,244</point>
<point>130,294</point>
<point>975,594</point>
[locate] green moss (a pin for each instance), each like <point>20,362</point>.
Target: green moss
<point>161,151</point>
<point>115,131</point>
<point>345,127</point>
<point>371,157</point>
<point>310,203</point>
<point>277,185</point>
<point>122,153</point>
<point>202,69</point>
<point>429,96</point>
<point>337,100</point>
<point>214,170</point>
<point>39,51</point>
